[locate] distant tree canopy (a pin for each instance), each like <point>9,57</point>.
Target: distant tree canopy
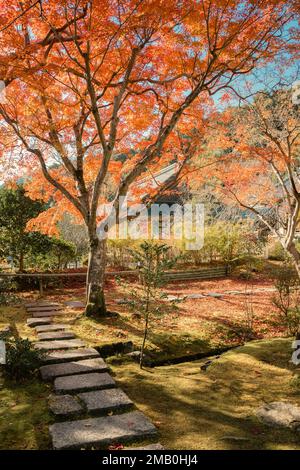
<point>76,234</point>
<point>24,248</point>
<point>87,81</point>
<point>259,145</point>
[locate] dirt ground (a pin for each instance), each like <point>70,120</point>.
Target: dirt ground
<point>215,408</point>
<point>195,325</point>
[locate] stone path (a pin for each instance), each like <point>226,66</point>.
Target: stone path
<point>94,411</point>
<point>218,295</point>
<point>280,413</point>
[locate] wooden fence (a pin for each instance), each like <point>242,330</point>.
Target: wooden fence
<point>207,273</point>
<point>50,276</point>
<point>204,273</point>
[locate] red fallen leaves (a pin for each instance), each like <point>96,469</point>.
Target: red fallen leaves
<point>256,431</point>
<point>116,446</point>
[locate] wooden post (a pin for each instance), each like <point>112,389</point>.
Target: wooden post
<point>41,286</point>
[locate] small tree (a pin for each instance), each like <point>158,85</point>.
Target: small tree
<point>76,234</point>
<point>287,299</point>
<point>16,209</point>
<point>62,251</point>
<point>152,260</point>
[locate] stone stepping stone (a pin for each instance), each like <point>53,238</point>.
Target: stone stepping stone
<point>102,431</point>
<point>65,405</point>
<point>51,313</point>
<point>195,296</point>
<point>75,304</point>
<point>86,366</point>
<point>61,344</point>
<point>39,304</point>
<point>103,401</point>
<point>214,295</point>
<point>55,335</point>
<point>52,327</point>
<point>32,322</point>
<point>280,413</point>
<point>83,382</point>
<point>157,446</point>
<point>71,355</point>
<point>43,308</point>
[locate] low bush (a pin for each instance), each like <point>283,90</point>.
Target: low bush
<point>276,253</point>
<point>7,291</point>
<point>22,360</point>
<point>287,300</point>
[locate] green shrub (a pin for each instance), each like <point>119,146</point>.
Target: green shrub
<point>22,360</point>
<point>228,243</point>
<point>287,300</point>
<point>276,253</point>
<point>7,288</point>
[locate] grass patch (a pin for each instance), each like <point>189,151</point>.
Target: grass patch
<point>24,415</point>
<point>16,316</point>
<point>216,409</point>
<point>162,343</point>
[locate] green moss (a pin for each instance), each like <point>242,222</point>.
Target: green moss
<point>204,410</point>
<point>162,343</point>
<point>96,306</point>
<point>17,317</point>
<point>24,415</point>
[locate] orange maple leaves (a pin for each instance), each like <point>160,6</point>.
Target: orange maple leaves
<point>102,92</point>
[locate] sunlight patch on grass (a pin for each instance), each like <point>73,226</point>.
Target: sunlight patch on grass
<point>24,415</point>
<point>16,316</point>
<point>216,409</point>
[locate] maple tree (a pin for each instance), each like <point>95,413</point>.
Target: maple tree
<point>260,146</point>
<point>100,92</point>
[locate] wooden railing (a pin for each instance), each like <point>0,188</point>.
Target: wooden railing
<point>41,276</point>
<point>204,273</point>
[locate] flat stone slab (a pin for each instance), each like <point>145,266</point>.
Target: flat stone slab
<point>60,344</point>
<point>72,355</point>
<point>32,322</point>
<point>280,413</point>
<point>195,296</point>
<point>74,304</point>
<point>103,401</point>
<point>50,313</point>
<point>83,382</point>
<point>102,431</point>
<point>52,327</point>
<point>149,447</point>
<point>214,295</point>
<point>65,405</point>
<point>52,371</point>
<point>55,335</point>
<point>40,304</point>
<point>172,298</point>
<point>44,308</point>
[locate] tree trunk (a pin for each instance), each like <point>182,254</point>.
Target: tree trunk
<point>95,278</point>
<point>21,262</point>
<point>147,313</point>
<point>144,340</point>
<point>295,255</point>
